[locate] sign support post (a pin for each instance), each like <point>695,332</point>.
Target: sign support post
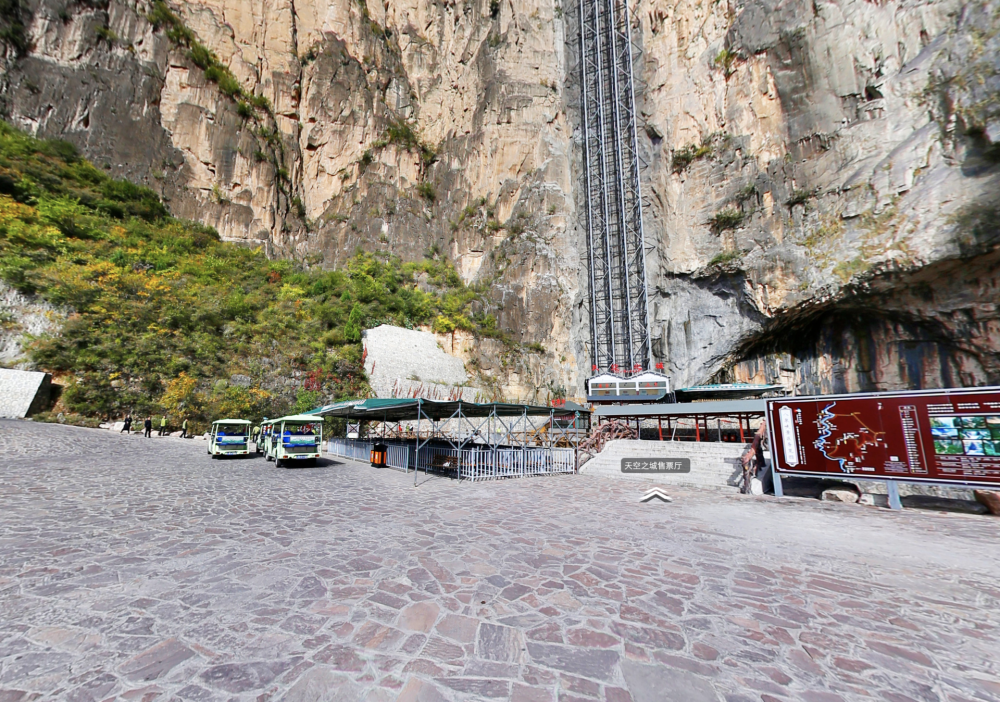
<point>776,478</point>
<point>893,489</point>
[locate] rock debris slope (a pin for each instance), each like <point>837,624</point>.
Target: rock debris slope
<point>820,177</point>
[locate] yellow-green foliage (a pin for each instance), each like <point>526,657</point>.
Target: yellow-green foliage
<point>162,313</point>
<point>687,155</point>
<point>724,258</point>
<point>725,61</point>
<point>730,218</point>
<point>829,229</point>
<point>161,17</point>
<point>845,270</point>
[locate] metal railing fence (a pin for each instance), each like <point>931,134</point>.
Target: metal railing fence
<point>397,457</point>
<point>350,448</point>
<point>479,463</point>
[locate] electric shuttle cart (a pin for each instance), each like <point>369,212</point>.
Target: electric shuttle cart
<point>229,437</point>
<point>298,437</point>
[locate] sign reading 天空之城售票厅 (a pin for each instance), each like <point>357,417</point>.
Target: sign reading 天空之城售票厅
<point>950,435</point>
<point>656,465</point>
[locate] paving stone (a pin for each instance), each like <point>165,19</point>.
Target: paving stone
<point>657,683</point>
<point>478,687</point>
<point>590,663</point>
<point>420,691</point>
<point>499,643</point>
<point>241,677</point>
<point>617,694</point>
<point>459,628</point>
<point>323,684</point>
<point>419,617</point>
<point>526,693</point>
<point>142,569</point>
<point>158,660</point>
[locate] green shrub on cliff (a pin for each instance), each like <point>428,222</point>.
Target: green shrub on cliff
<point>162,314</point>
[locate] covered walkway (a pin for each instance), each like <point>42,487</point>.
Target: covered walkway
<point>733,420</point>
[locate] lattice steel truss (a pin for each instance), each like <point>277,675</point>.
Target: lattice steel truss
<point>619,316</point>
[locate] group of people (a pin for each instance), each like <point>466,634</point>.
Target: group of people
<point>147,426</point>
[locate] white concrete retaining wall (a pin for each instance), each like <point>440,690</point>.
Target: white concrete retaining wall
<point>409,363</point>
<point>22,393</point>
<point>713,464</point>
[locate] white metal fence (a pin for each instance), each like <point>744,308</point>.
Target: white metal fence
<point>397,457</point>
<point>480,463</point>
<point>350,448</point>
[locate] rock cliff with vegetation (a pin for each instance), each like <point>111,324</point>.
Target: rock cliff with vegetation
<point>154,314</point>
<point>820,181</point>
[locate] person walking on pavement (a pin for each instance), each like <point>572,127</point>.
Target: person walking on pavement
<point>184,428</point>
<point>127,424</point>
<point>147,426</point>
<point>163,425</point>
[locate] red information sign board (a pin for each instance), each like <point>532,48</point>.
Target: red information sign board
<point>948,435</point>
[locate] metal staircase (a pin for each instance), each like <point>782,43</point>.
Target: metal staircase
<point>619,317</point>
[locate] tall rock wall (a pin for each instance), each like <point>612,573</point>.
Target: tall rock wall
<point>823,191</point>
<point>818,182</point>
<point>413,128</point>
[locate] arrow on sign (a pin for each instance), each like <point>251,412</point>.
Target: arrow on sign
<point>654,494</point>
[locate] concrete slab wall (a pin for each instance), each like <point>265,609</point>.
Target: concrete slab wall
<point>409,363</point>
<point>713,464</point>
<point>22,393</point>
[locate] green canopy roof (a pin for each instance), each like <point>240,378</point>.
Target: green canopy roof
<point>725,391</point>
<point>402,409</point>
<point>309,417</point>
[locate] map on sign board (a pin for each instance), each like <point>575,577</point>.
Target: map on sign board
<point>845,437</point>
<point>950,435</point>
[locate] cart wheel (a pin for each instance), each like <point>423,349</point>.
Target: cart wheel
<point>278,463</point>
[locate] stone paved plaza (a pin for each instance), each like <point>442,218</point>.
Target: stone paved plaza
<point>139,569</point>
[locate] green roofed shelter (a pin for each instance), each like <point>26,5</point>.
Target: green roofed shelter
<point>473,440</point>
<point>726,391</point>
<point>406,409</point>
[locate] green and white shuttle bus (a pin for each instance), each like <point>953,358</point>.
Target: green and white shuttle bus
<point>297,437</point>
<point>229,437</point>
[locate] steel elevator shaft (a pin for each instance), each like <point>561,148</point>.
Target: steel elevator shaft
<point>619,317</point>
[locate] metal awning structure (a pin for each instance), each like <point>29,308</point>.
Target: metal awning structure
<point>478,439</point>
<point>725,408</point>
<point>412,409</point>
<point>725,391</point>
<point>742,411</point>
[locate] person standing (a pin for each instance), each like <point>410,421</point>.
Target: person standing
<point>127,424</point>
<point>147,425</point>
<point>184,428</point>
<point>163,425</point>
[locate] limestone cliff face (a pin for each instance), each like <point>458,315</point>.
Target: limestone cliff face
<point>818,188</point>
<point>405,127</point>
<point>823,189</point>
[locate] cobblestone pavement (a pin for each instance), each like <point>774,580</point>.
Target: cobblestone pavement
<point>139,569</point>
